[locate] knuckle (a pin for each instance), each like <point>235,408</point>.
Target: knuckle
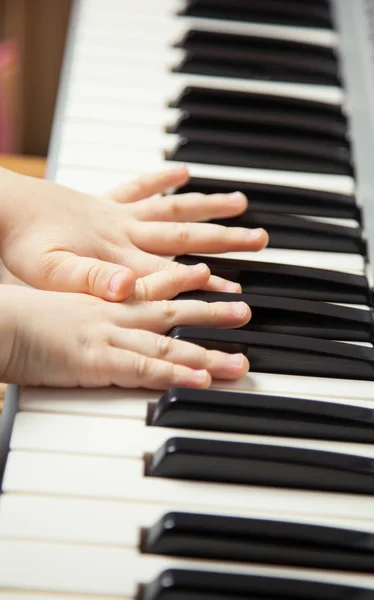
<point>174,207</point>
<point>183,234</point>
<point>168,310</point>
<point>143,290</point>
<point>92,276</point>
<point>163,346</point>
<point>143,367</point>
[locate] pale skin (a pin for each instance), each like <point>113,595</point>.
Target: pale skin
<point>60,240</point>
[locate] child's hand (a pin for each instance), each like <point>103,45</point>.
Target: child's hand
<point>58,239</point>
<point>67,340</point>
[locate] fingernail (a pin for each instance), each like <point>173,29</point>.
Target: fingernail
<point>236,360</point>
<point>236,198</point>
<point>240,308</point>
<point>200,268</point>
<point>254,234</point>
<point>116,281</point>
<point>231,286</point>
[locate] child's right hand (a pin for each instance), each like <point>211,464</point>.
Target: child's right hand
<point>68,340</point>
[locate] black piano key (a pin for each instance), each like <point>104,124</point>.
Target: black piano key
<point>264,414</point>
<point>287,280</point>
<point>287,354</point>
<point>273,314</point>
<point>285,12</point>
<point>286,231</point>
<point>189,151</point>
<point>261,464</point>
<point>263,197</point>
<point>185,584</point>
<point>293,114</point>
<point>260,541</point>
<point>231,55</point>
<point>261,138</point>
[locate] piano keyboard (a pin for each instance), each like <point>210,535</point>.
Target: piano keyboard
<point>258,488</point>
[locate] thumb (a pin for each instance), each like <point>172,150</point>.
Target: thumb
<point>72,273</point>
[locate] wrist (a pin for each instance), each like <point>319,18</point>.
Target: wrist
<point>8,327</point>
<point>8,193</point>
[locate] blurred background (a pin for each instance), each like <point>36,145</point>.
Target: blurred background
<point>32,38</point>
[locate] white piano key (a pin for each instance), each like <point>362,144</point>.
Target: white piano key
<point>119,571</point>
<point>162,23</point>
<point>117,403</point>
<point>133,439</point>
<point>114,523</point>
<point>144,29</point>
<point>113,133</point>
<point>27,595</point>
<point>92,181</point>
<point>120,137</point>
<point>114,79</point>
<point>123,479</point>
<point>335,261</point>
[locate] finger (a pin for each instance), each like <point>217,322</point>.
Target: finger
<point>144,263</point>
<point>132,370</point>
<point>169,283</point>
<point>149,185</point>
<point>160,238</point>
<point>162,316</point>
<point>218,364</point>
<point>67,272</point>
<point>217,284</point>
<point>191,207</point>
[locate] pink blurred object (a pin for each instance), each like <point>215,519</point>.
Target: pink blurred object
<point>8,70</point>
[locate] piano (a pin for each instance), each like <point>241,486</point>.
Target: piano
<point>263,488</point>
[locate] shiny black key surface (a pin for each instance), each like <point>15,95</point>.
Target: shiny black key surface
<point>273,314</point>
<point>230,55</point>
<point>323,120</point>
<point>261,464</point>
<point>287,354</point>
<point>251,413</point>
<point>289,281</point>
<point>264,197</point>
<point>185,584</point>
<point>282,12</point>
<point>262,138</point>
<point>189,150</point>
<point>236,539</point>
<point>298,233</point>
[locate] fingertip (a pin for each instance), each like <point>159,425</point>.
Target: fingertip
<point>121,285</point>
<point>199,379</point>
<point>259,239</point>
<point>179,170</point>
<point>232,287</point>
<point>237,200</point>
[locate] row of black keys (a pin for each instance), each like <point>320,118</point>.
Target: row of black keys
<point>253,57</point>
<point>184,584</point>
<point>261,131</point>
<point>281,210</point>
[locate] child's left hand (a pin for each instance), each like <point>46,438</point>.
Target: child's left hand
<point>58,239</point>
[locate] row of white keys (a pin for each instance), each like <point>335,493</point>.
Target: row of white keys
<point>108,522</point>
<point>124,438</point>
<point>93,477</point>
<point>118,571</point>
<point>97,19</point>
